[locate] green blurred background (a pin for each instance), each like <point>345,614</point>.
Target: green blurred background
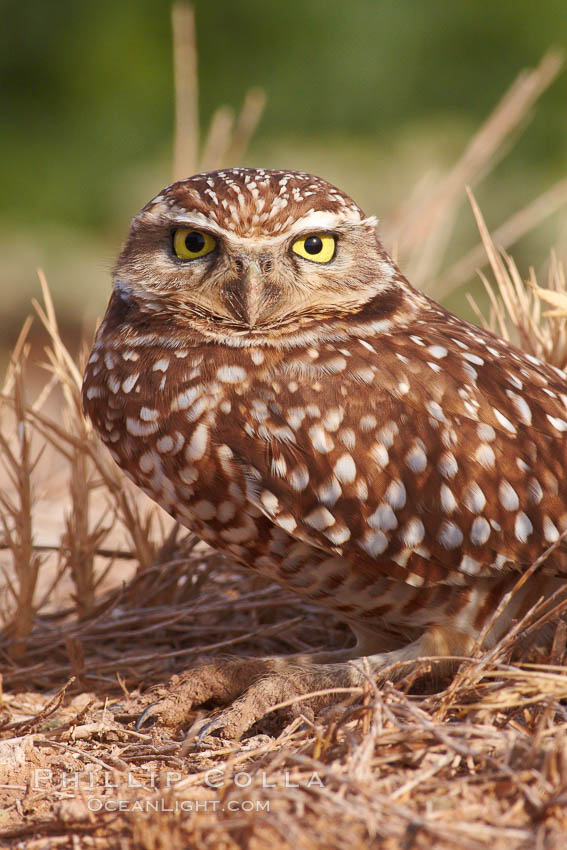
<point>371,94</point>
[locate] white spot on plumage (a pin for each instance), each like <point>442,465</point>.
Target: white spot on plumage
<point>486,432</point>
<point>402,557</point>
<point>485,456</point>
<point>148,414</point>
<point>508,497</point>
<point>259,410</point>
<point>130,382</point>
<point>198,443</point>
<point>473,358</point>
<point>435,410</point>
<point>416,459</point>
<point>501,561</point>
<point>412,533</point>
<point>521,406</point>
<point>387,433</point>
<point>332,419</point>
<point>514,380</point>
<point>336,364</point>
<point>95,392</point>
<point>374,542</point>
<point>345,469</point>
<point>140,429</point>
<point>504,421</point>
<point>239,535</point>
<point>474,499</point>
<point>204,510</point>
<point>295,416</point>
<point>197,408</point>
<point>450,535</point>
<point>283,434</point>
<point>347,438</point>
<point>361,489</point>
<point>186,398</point>
<point>559,424</point>
<point>287,522</point>
<point>320,518</point>
<point>437,351</point>
<point>480,531</point>
<point>448,466</point>
<point>550,530</point>
<point>165,444</point>
<point>113,383</point>
<point>313,410</point>
<point>471,407</point>
<point>470,372</point>
<point>146,462</point>
<point>226,511</point>
<point>269,502</point>
<point>366,374</point>
<point>161,365</point>
<point>279,466</point>
<point>448,501</point>
<point>337,535</point>
<point>379,454</point>
<point>329,492</point>
<point>460,343</point>
<point>299,478</point>
<point>367,422</point>
<point>367,345</point>
<point>320,439</point>
<point>395,495</point>
<point>523,527</point>
<point>415,580</point>
<point>383,518</point>
<point>535,493</point>
<point>231,374</point>
<point>188,474</point>
<point>470,566</point>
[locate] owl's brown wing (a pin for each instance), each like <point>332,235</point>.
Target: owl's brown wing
<point>419,458</point>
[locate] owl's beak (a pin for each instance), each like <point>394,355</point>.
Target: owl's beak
<point>250,292</point>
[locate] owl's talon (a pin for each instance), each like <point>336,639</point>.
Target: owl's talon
<point>146,714</point>
<point>210,726</point>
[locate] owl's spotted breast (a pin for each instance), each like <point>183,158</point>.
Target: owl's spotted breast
<point>425,476</point>
<point>353,440</point>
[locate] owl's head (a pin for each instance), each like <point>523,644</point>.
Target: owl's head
<point>244,251</point>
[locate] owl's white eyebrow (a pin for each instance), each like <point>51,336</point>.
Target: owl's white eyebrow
<point>196,219</point>
<point>315,220</point>
<point>321,220</point>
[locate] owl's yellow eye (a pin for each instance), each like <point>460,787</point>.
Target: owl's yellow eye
<point>319,247</point>
<point>189,244</point>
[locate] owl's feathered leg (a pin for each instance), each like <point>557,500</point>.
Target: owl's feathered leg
<point>255,685</point>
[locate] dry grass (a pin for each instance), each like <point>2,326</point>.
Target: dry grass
<point>103,596</point>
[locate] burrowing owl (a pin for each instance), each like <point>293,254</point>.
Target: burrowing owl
<point>265,373</point>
